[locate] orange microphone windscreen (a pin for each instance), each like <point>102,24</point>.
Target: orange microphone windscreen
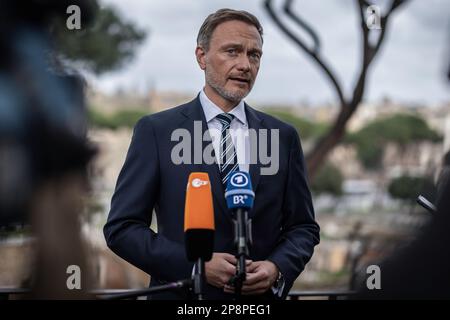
<point>199,211</point>
<point>199,218</point>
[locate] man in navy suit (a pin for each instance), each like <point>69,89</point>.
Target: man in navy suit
<point>229,50</point>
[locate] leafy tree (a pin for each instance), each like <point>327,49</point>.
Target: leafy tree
<point>104,44</point>
<point>407,188</point>
<point>123,118</point>
<point>306,129</point>
<point>287,19</point>
<point>401,129</point>
<point>328,180</point>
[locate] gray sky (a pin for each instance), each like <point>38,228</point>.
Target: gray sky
<point>410,67</point>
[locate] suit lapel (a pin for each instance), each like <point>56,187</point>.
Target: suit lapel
<point>254,123</point>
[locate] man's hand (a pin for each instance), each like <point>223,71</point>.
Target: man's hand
<point>220,269</point>
<point>261,275</point>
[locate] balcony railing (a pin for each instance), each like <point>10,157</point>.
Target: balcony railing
<point>6,293</point>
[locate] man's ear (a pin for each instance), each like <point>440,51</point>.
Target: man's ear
<point>200,53</point>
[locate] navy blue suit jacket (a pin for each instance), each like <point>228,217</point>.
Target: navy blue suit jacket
<point>284,228</point>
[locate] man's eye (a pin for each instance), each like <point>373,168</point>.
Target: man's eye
<point>231,51</point>
<point>256,56</point>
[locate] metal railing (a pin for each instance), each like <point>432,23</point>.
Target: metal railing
<point>328,295</point>
<point>7,292</point>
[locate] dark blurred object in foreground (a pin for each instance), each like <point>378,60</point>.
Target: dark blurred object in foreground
<point>422,270</point>
<point>42,114</point>
<point>43,148</point>
<point>444,178</point>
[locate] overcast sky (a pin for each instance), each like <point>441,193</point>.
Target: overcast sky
<point>409,68</point>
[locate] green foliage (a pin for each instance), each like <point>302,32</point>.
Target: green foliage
<point>328,180</point>
<point>305,128</point>
<point>408,188</point>
<point>400,129</point>
<point>124,118</point>
<point>105,45</point>
<point>99,120</point>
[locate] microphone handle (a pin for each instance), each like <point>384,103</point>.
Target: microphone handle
<point>242,237</point>
<point>242,240</point>
<point>199,279</point>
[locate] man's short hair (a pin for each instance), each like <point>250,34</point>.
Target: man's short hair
<point>221,16</point>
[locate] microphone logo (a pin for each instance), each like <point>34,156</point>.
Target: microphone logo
<point>239,199</point>
<point>239,180</point>
<point>239,192</point>
<point>197,183</point>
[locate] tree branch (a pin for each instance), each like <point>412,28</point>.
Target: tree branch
<point>288,10</point>
<point>384,22</point>
<point>311,53</point>
<point>327,142</point>
<point>369,51</point>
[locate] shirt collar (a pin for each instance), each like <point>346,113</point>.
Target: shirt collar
<point>211,110</point>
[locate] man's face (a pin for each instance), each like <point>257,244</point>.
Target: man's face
<point>232,61</point>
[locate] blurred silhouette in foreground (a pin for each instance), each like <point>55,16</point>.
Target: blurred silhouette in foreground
<point>43,149</point>
<point>444,178</point>
<point>422,269</point>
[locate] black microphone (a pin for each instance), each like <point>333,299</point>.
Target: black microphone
<point>239,196</point>
<point>199,238</point>
<point>199,226</point>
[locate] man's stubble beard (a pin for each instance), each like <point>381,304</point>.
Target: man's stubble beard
<point>213,82</point>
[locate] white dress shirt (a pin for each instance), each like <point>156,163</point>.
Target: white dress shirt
<point>238,130</point>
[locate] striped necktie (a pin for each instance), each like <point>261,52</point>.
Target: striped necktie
<point>228,157</point>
